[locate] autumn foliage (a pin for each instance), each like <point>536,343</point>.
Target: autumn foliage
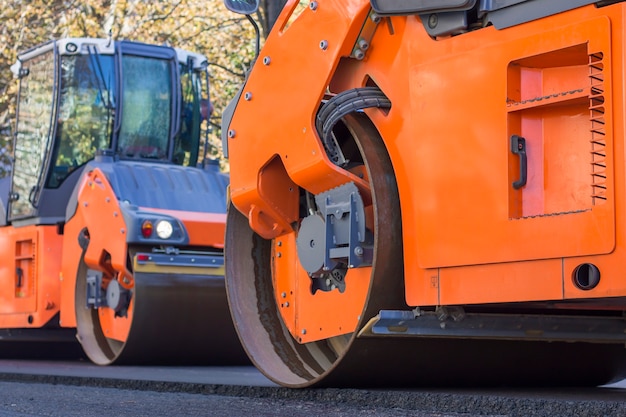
<point>203,26</point>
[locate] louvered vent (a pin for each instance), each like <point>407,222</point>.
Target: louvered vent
<point>598,128</point>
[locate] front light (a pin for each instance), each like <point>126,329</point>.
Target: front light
<point>164,229</point>
<point>146,229</point>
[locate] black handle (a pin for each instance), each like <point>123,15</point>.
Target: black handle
<point>20,276</point>
<point>518,147</point>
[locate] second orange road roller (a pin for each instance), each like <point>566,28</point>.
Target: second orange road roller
<point>432,192</point>
<point>110,227</point>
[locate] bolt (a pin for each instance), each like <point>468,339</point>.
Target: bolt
<point>107,199</point>
<point>278,255</point>
<point>115,214</point>
<point>248,96</point>
<point>266,60</point>
<point>323,45</point>
<point>231,133</point>
<point>126,280</point>
<point>122,231</point>
<point>375,17</point>
<point>279,243</point>
<point>358,251</point>
<point>283,294</point>
<point>313,5</point>
<point>303,331</point>
<point>363,44</point>
<point>286,303</point>
<point>358,54</point>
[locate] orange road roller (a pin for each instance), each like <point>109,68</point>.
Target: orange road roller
<point>431,192</point>
<point>111,231</point>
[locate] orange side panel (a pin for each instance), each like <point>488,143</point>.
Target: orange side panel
<point>29,275</point>
<point>98,209</point>
<point>505,282</point>
<point>72,254</point>
<point>464,198</point>
<point>303,311</point>
<point>270,91</point>
<point>469,236</point>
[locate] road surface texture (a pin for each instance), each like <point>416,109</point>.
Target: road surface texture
<point>63,389</point>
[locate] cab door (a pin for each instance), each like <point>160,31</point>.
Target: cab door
<point>34,132</point>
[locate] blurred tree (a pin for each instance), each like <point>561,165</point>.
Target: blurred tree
<point>203,26</point>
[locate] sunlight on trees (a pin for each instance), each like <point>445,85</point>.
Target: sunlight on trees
<point>206,27</point>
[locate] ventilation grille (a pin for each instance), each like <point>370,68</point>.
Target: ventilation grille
<point>598,128</point>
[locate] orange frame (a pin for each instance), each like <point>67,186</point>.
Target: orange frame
<point>469,237</point>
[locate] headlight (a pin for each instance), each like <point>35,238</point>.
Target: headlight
<point>164,229</point>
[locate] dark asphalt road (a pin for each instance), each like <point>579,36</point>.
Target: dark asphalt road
<point>32,388</point>
<point>33,399</point>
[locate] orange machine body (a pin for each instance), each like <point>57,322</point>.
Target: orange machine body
<point>30,293</point>
<point>469,236</point>
<point>39,265</point>
<point>112,220</point>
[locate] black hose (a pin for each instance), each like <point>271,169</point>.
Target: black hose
<point>342,104</point>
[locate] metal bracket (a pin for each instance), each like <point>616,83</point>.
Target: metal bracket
<point>452,323</point>
<point>96,296</point>
<point>346,237</point>
<point>365,36</point>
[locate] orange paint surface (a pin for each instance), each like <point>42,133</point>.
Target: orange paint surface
<point>469,236</point>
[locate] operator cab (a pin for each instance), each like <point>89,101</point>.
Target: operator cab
<point>82,97</point>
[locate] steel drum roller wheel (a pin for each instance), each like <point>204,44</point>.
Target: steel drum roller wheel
<point>172,319</point>
<point>347,360</point>
<point>250,276</point>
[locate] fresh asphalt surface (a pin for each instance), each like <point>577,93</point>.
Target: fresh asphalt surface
<point>79,388</point>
